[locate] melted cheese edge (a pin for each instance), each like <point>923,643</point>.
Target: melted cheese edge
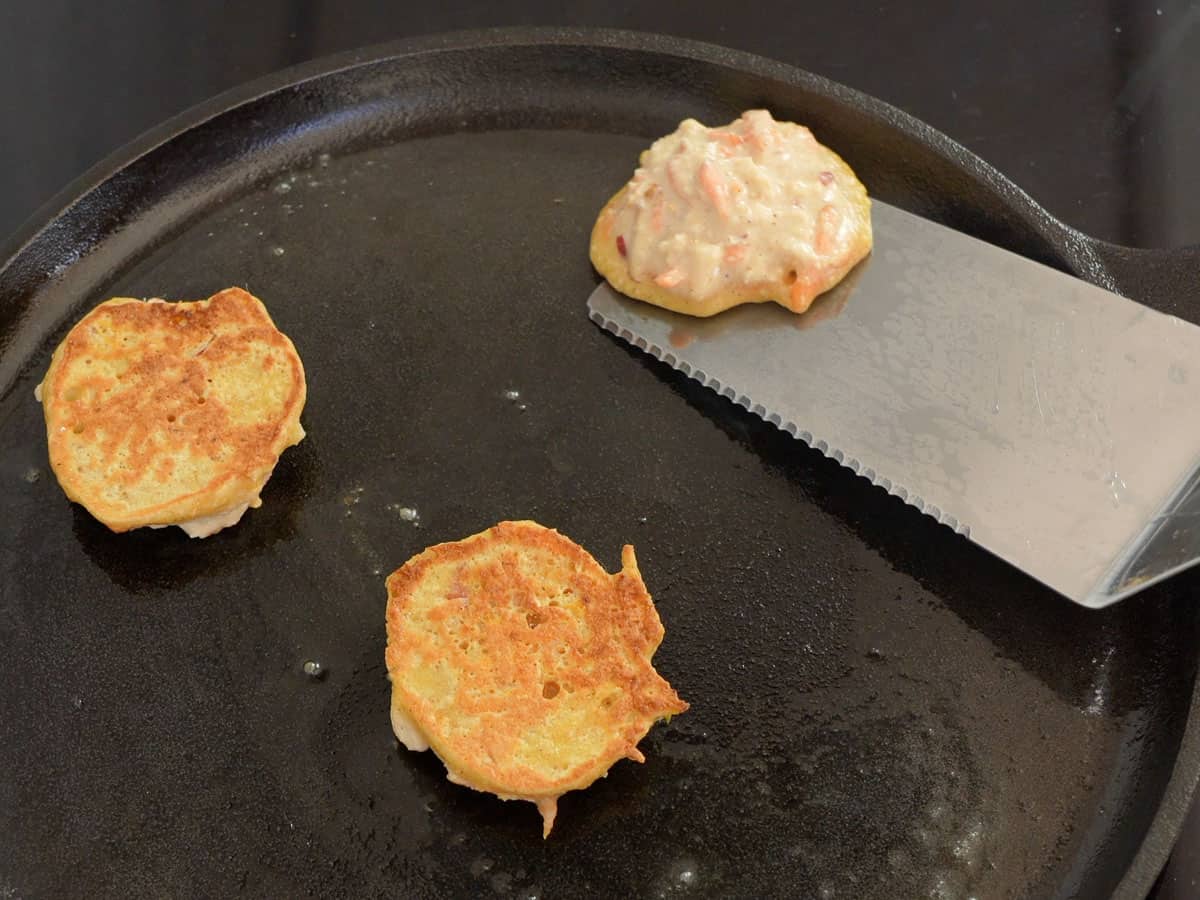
<point>204,526</point>
<point>409,733</point>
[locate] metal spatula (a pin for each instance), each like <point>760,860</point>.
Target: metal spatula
<point>1052,422</point>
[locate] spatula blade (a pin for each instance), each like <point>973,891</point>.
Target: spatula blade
<point>1053,422</point>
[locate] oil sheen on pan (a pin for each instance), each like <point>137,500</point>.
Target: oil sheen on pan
<point>878,708</point>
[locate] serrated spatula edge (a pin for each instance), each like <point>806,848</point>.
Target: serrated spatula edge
<point>855,465</point>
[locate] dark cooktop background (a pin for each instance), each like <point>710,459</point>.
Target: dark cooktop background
<point>1092,106</point>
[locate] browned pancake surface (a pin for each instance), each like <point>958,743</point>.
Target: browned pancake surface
<point>526,666</point>
<point>158,412</point>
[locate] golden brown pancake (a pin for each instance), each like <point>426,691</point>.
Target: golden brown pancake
<point>522,663</point>
<point>163,413</point>
<point>750,212</point>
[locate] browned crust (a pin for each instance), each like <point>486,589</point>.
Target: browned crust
<point>504,647</point>
<point>794,293</point>
<point>144,430</point>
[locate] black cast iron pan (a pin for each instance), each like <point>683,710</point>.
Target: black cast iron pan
<point>879,709</point>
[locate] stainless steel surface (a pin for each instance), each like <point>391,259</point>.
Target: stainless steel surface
<point>1054,423</point>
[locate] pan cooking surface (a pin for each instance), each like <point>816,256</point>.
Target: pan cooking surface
<point>879,708</point>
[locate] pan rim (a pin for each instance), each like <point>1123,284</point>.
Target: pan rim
<point>1159,839</point>
<point>147,142</point>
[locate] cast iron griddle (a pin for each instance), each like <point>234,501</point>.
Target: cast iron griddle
<point>879,708</point>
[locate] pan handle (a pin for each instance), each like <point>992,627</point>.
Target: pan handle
<point>1166,279</point>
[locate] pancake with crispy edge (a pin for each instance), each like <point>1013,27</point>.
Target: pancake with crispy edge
<point>162,413</point>
<point>522,663</point>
